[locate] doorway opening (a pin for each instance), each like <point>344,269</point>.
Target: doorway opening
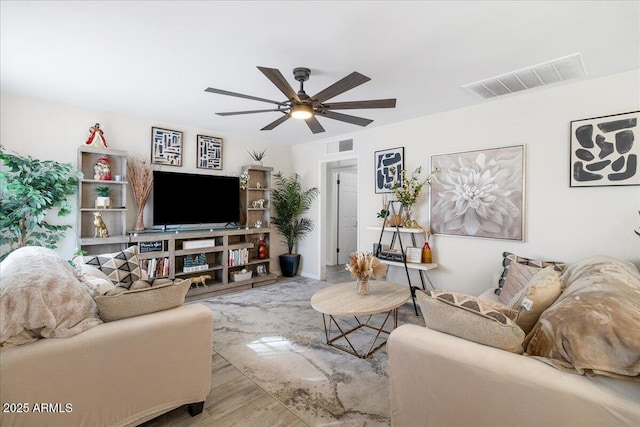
<point>340,212</point>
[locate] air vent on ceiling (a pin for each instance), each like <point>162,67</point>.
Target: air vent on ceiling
<point>558,70</point>
<point>334,147</point>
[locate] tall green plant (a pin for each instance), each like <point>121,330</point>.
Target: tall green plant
<point>289,203</point>
<point>30,189</point>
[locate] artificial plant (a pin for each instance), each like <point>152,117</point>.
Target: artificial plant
<point>30,189</point>
<point>289,203</point>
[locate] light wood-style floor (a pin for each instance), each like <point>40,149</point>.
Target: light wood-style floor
<point>237,401</point>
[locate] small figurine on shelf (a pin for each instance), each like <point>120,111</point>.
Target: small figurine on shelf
<point>102,169</point>
<point>101,227</point>
<point>262,248</point>
<point>258,224</point>
<point>96,137</point>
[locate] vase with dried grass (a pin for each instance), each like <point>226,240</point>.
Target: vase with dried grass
<point>364,266</point>
<point>141,180</point>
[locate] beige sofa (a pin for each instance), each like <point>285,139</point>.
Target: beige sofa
<point>439,378</point>
<point>115,374</point>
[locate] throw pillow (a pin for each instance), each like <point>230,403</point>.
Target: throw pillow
<point>594,325</point>
<point>122,268</point>
<point>162,296</point>
<point>40,297</point>
<point>467,317</point>
<point>540,292</point>
<point>94,279</point>
<point>517,272</point>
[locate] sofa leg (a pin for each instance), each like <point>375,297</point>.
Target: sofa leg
<point>195,408</point>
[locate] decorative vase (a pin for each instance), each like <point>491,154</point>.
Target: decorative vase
<point>262,250</point>
<point>362,286</point>
<point>139,220</point>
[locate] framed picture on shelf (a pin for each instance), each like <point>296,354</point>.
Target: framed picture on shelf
<point>384,161</point>
<point>261,270</point>
<point>479,193</point>
<point>605,151</point>
<point>413,254</point>
<point>209,152</point>
<point>166,147</point>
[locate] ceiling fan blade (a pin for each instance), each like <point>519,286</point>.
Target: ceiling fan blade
<point>234,113</point>
<point>314,125</point>
<point>239,95</point>
<point>281,83</point>
<point>346,118</point>
<point>275,123</point>
<point>352,80</point>
<point>356,105</point>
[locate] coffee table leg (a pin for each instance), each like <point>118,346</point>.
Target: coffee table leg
<point>328,320</point>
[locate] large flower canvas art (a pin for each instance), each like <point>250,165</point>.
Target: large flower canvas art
<point>479,193</point>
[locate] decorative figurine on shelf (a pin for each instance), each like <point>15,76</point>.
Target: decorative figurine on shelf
<point>96,137</point>
<point>258,224</point>
<point>258,204</point>
<point>102,169</point>
<point>200,280</point>
<point>101,227</point>
<point>262,248</point>
<point>258,185</point>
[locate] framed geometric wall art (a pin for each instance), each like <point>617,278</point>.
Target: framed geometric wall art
<point>605,151</point>
<point>166,147</point>
<point>384,161</point>
<point>209,152</point>
<point>479,193</point>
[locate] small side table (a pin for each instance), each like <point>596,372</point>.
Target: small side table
<point>341,300</point>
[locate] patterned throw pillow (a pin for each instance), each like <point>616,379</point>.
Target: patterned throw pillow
<point>122,268</point>
<point>513,280</point>
<point>467,317</point>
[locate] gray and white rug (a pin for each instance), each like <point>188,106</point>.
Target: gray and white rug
<point>274,336</point>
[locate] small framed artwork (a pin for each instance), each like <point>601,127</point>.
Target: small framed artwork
<point>413,254</point>
<point>479,193</point>
<point>261,270</point>
<point>385,160</point>
<point>166,147</point>
<point>209,152</point>
<point>605,151</point>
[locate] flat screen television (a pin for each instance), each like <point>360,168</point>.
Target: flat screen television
<point>194,199</point>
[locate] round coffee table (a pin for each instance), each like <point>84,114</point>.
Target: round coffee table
<point>341,300</point>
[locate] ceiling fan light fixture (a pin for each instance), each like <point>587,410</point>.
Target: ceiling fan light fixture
<point>301,111</point>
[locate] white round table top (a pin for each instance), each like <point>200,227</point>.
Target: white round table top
<point>342,299</point>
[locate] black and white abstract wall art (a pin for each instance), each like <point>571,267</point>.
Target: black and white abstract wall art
<point>384,161</point>
<point>479,193</point>
<point>604,151</point>
<point>209,152</point>
<point>166,147</point>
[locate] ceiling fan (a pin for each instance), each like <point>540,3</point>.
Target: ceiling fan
<point>302,106</point>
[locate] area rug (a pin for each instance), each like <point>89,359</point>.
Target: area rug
<point>274,336</point>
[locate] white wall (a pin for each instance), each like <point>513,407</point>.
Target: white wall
<point>52,131</point>
<point>562,223</point>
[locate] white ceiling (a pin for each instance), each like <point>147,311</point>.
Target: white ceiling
<point>155,58</point>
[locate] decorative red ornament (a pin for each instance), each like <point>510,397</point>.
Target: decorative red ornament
<point>262,249</point>
<point>96,136</point>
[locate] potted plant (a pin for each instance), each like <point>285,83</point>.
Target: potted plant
<point>103,201</point>
<point>290,202</point>
<point>257,156</point>
<point>30,189</point>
